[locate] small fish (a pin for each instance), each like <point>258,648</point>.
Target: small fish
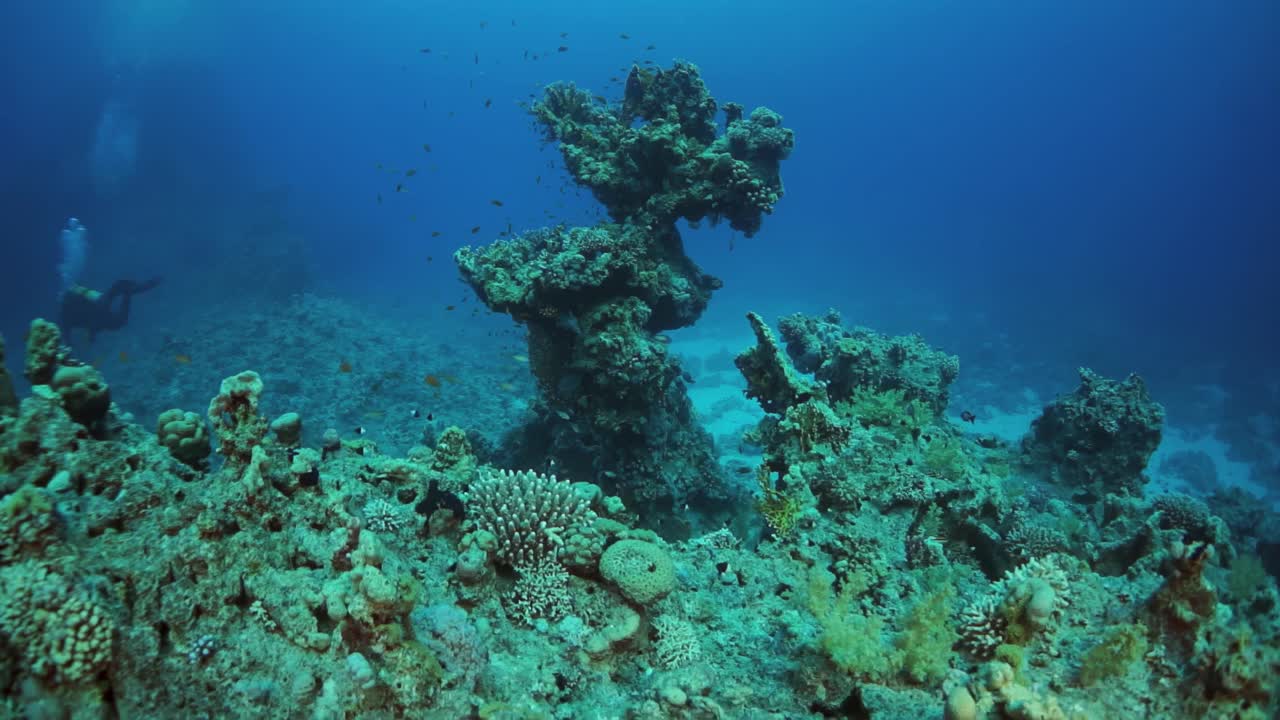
<point>614,79</point>
<point>652,47</point>
<point>182,359</point>
<point>124,356</point>
<point>564,35</point>
<point>432,381</point>
<point>399,187</point>
<point>410,172</point>
<point>450,308</point>
<point>425,51</point>
<point>436,233</point>
<point>526,54</point>
<point>484,24</point>
<point>431,416</point>
<point>600,99</point>
<point>488,102</point>
<point>537,180</point>
<point>415,413</point>
<point>475,230</point>
<point>496,203</point>
<point>563,415</point>
<point>413,218</point>
<point>506,386</point>
<point>430,258</point>
<point>563,48</point>
<point>426,146</point>
<point>359,430</point>
<point>968,416</point>
<point>624,36</point>
<point>344,367</point>
<point>520,358</point>
<point>477,58</point>
<point>648,62</point>
<point>379,198</point>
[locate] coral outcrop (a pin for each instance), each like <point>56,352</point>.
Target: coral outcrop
<point>593,300</point>
<point>1098,439</point>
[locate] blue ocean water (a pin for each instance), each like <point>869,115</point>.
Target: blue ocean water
<point>1079,183</point>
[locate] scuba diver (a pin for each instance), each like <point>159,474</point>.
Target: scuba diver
<point>81,307</point>
<point>95,311</point>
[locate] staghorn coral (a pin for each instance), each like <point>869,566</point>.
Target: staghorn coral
<point>525,516</point>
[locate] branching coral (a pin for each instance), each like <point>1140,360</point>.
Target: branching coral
<point>1025,602</point>
<point>526,515</point>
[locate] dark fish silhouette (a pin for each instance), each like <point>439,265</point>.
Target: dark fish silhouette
<point>968,416</point>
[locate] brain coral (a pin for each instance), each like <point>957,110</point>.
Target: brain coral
<point>641,570</point>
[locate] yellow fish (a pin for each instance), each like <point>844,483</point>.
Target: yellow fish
<point>182,359</point>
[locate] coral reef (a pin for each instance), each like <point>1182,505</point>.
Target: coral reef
<point>615,408</point>
<point>598,561</point>
<point>337,581</point>
<point>1098,439</point>
<point>672,164</point>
